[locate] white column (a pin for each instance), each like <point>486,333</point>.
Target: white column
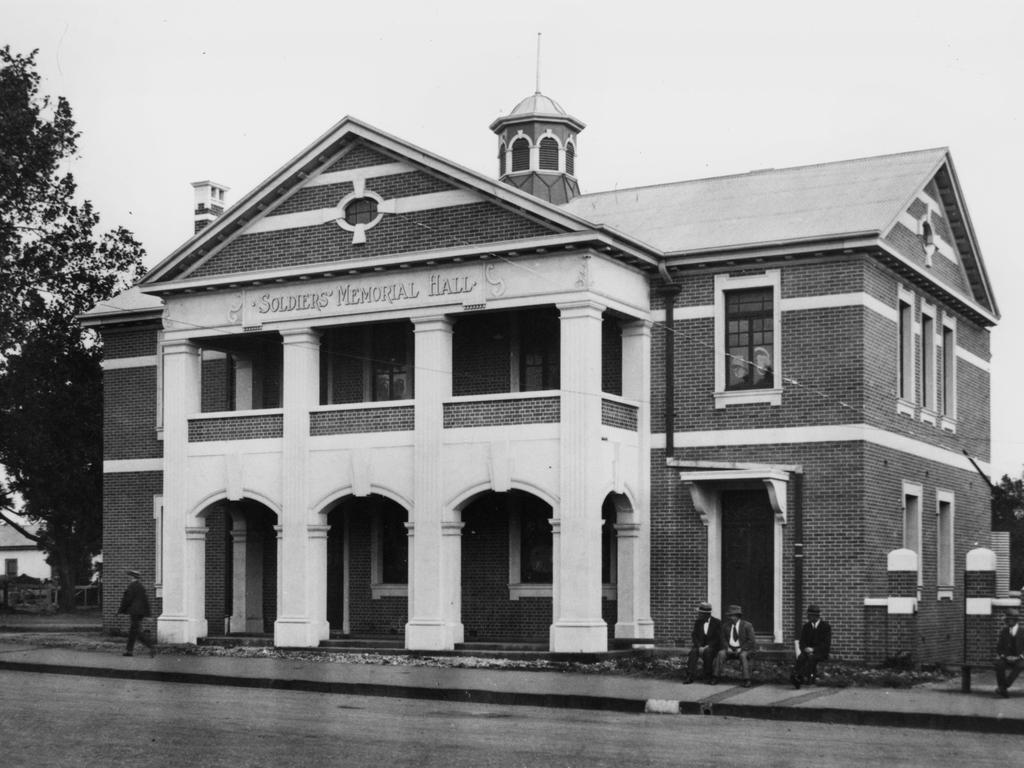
<point>578,626</point>
<point>180,622</point>
<point>634,537</point>
<point>195,563</point>
<point>451,542</point>
<point>428,627</point>
<point>296,625</point>
<point>318,578</point>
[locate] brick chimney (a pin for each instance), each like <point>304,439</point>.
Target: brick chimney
<point>210,202</point>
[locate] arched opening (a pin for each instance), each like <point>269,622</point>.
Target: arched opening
<point>367,567</point>
<point>548,154</point>
<point>506,568</point>
<point>520,155</point>
<point>241,568</point>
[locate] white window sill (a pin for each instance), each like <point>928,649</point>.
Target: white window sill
<point>948,424</point>
<point>747,396</point>
<point>515,591</point>
<point>377,591</point>
<point>928,417</point>
<point>905,408</point>
<point>945,593</point>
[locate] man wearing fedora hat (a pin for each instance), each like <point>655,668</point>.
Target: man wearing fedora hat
<point>1009,652</point>
<point>738,642</point>
<point>705,641</point>
<point>815,644</point>
<point>136,604</point>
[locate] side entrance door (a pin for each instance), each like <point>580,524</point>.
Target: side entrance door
<point>747,551</point>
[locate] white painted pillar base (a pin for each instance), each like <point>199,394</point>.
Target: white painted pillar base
<point>579,637</point>
<point>296,633</point>
<point>179,630</point>
<point>429,635</point>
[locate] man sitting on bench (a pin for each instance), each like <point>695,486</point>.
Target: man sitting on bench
<point>738,642</point>
<point>815,643</point>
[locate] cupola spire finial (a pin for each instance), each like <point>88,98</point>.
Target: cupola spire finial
<point>538,62</point>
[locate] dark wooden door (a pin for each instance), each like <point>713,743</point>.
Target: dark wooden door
<point>336,572</point>
<point>747,552</point>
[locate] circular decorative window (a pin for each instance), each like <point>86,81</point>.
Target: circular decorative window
<point>362,210</point>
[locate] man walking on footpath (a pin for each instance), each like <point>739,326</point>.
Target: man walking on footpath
<point>136,605</point>
<point>1009,652</point>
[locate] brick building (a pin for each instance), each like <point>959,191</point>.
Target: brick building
<point>384,394</point>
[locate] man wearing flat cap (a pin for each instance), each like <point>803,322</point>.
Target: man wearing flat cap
<point>738,642</point>
<point>1009,652</point>
<point>815,644</point>
<point>705,641</point>
<point>136,604</point>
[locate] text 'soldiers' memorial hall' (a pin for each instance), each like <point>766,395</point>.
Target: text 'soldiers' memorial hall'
<point>385,395</point>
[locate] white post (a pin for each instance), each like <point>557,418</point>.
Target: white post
<point>318,579</point>
<point>180,622</point>
<point>578,626</point>
<point>297,625</point>
<point>429,610</point>
<point>634,534</point>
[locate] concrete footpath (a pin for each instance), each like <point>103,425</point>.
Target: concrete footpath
<point>941,706</point>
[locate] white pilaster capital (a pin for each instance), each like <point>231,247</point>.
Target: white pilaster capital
<point>317,531</point>
<point>627,530</point>
<point>239,537</point>
<point>432,323</point>
<point>636,327</point>
<point>556,525</point>
<point>409,528</point>
<point>180,347</point>
<point>299,336</point>
<point>279,530</point>
<point>573,310</point>
<point>452,527</point>
<point>196,532</point>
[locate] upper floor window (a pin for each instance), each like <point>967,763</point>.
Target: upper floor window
<point>362,210</point>
<point>905,330</point>
<point>540,351</point>
<point>928,360</point>
<point>520,155</point>
<point>749,339</point>
<point>948,369</point>
<point>548,154</point>
<point>912,523</point>
<point>747,317</point>
<point>944,540</point>
<point>11,567</point>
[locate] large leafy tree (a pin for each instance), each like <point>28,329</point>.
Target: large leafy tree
<point>53,267</point>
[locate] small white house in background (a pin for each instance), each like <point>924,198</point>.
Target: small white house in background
<point>20,556</point>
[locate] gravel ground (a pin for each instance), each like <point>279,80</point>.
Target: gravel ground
<point>835,673</point>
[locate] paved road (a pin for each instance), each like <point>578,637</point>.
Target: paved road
<point>51,720</point>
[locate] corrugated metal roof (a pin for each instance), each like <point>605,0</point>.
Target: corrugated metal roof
<point>132,300</point>
<point>807,202</point>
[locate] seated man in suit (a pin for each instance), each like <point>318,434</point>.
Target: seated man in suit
<point>705,640</point>
<point>815,644</point>
<point>1009,652</point>
<point>738,642</point>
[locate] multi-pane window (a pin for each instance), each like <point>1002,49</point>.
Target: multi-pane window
<point>548,154</point>
<point>905,320</point>
<point>944,539</point>
<point>927,361</point>
<point>362,210</point>
<point>520,155</point>
<point>539,351</point>
<point>535,545</point>
<point>749,339</point>
<point>394,545</point>
<point>390,363</point>
<point>948,372</point>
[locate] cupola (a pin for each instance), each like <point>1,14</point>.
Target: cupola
<point>537,149</point>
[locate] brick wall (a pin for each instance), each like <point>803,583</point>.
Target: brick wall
<point>392,419</point>
<point>534,410</point>
<point>259,426</point>
<point>621,415</point>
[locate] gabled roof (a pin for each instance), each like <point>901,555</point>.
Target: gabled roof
<point>846,200</point>
<point>314,157</point>
<point>829,200</point>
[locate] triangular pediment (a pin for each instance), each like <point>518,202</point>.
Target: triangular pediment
<point>932,232</point>
<point>422,203</point>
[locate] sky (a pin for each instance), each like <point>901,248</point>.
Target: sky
<point>170,93</point>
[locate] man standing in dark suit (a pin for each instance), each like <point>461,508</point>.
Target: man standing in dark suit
<point>815,644</point>
<point>705,640</point>
<point>1009,652</point>
<point>738,642</point>
<point>136,605</point>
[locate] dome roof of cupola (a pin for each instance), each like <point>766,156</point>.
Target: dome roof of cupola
<point>538,107</point>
